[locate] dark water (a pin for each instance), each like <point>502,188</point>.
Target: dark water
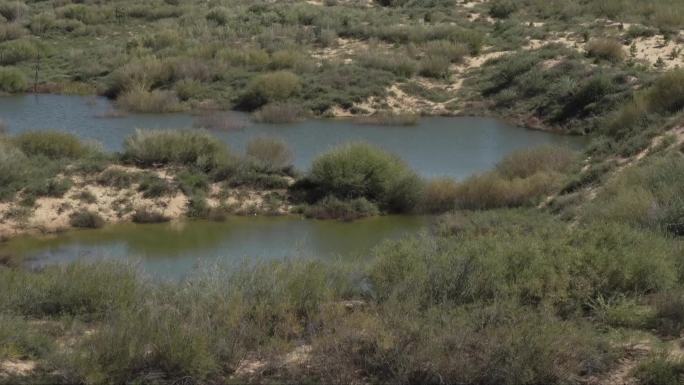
<point>437,146</point>
<point>175,249</point>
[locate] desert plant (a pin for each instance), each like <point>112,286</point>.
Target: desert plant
<point>606,49</point>
<point>12,80</point>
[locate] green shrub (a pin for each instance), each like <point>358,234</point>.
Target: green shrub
<point>389,118</point>
<point>11,31</point>
<point>12,80</point>
<point>86,219</point>
<point>649,196</point>
<point>153,186</point>
<point>19,341</point>
<point>527,162</point>
<point>606,49</point>
<point>333,208</point>
<point>279,113</point>
<point>16,51</point>
<point>502,9</point>
<point>669,313</point>
<point>667,93</point>
<point>192,182</point>
<point>198,207</point>
<point>491,190</point>
<point>435,67</point>
<point>660,370</point>
<point>144,215</point>
<point>270,87</point>
<point>51,144</point>
<point>359,170</point>
<point>398,64</point>
<point>13,169</point>
<point>455,52</point>
<point>117,178</point>
<point>13,10</point>
<point>157,101</point>
<point>272,153</point>
<point>90,291</point>
<point>191,148</point>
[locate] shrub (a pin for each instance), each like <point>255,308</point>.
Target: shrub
<point>388,118</point>
<point>647,196</point>
<point>272,153</point>
<point>279,113</point>
<point>145,215</point>
<point>90,291</point>
<point>18,341</point>
<point>502,9</point>
<point>333,208</point>
<point>606,49</point>
<point>359,170</point>
<point>152,186</point>
<point>13,10</point>
<point>198,207</point>
<point>117,178</point>
<point>269,87</point>
<point>191,148</point>
<point>13,170</point>
<point>667,93</point>
<point>514,185</point>
<point>439,195</point>
<point>51,144</point>
<point>455,52</point>
<point>11,31</point>
<point>435,67</point>
<point>16,51</point>
<point>140,100</point>
<point>12,80</point>
<point>218,121</point>
<point>660,369</point>
<point>86,219</point>
<point>525,163</point>
<point>669,312</point>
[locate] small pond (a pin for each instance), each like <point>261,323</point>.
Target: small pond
<point>437,146</point>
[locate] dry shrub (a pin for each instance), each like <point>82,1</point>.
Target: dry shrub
<point>606,49</point>
<point>140,100</point>
<point>279,113</point>
<point>525,163</point>
<point>440,195</point>
<point>389,118</point>
<point>272,153</point>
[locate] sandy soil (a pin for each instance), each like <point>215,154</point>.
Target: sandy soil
<point>118,205</point>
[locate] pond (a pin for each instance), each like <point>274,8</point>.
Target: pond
<point>172,250</point>
<point>436,146</point>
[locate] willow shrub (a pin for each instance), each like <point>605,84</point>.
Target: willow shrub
<point>359,170</point>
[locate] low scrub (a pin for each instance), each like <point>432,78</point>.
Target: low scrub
<point>12,80</point>
<point>279,113</point>
<point>162,147</point>
<point>86,219</point>
<point>359,170</point>
<point>270,153</point>
<point>157,101</point>
<point>145,215</point>
<point>334,208</point>
<point>439,195</point>
<point>51,144</point>
<point>606,49</point>
<point>269,88</point>
<point>389,118</point>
